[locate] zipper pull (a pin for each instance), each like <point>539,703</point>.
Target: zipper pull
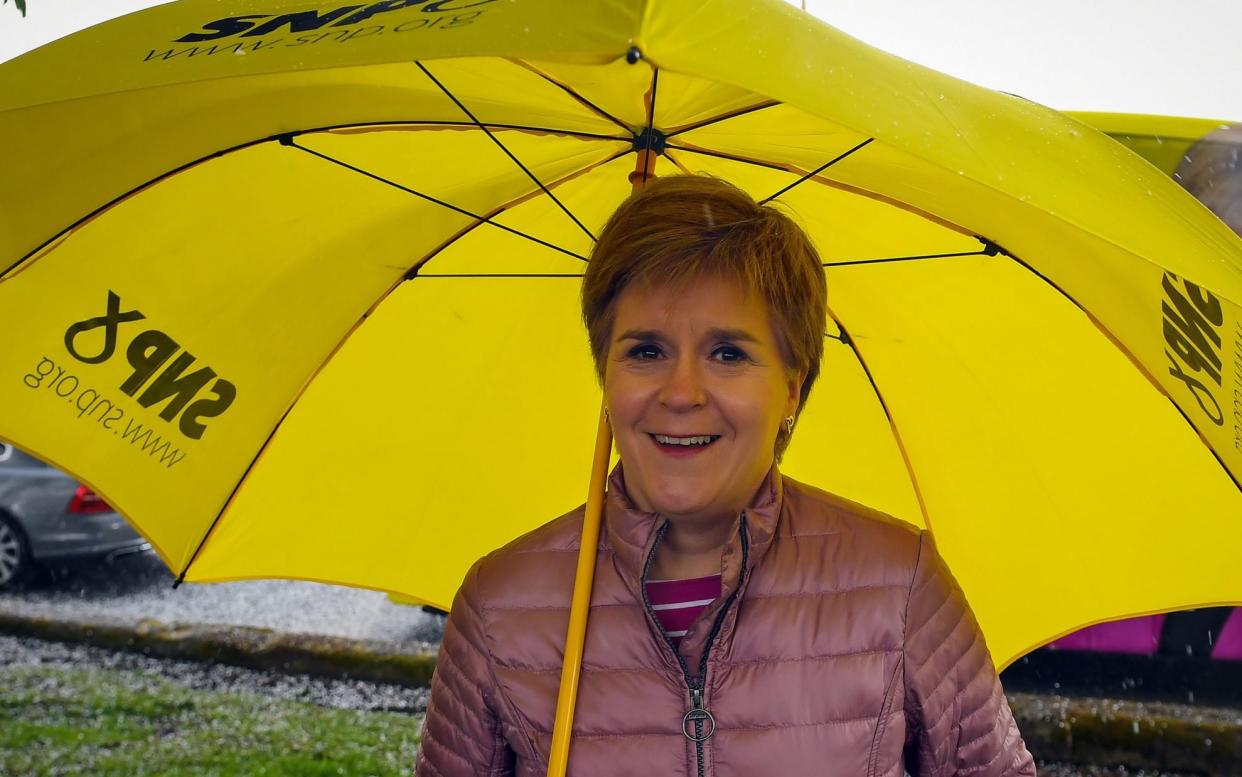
<point>698,715</point>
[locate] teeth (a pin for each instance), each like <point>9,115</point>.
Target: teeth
<point>700,440</point>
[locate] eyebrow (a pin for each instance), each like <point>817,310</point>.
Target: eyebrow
<point>715,333</point>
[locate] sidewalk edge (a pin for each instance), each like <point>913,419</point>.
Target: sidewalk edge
<point>244,646</point>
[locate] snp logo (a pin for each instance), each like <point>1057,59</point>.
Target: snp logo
<point>149,353</point>
<point>252,25</point>
<point>1192,322</point>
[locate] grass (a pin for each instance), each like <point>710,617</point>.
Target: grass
<point>56,721</point>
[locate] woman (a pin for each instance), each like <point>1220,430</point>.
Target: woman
<point>741,623</point>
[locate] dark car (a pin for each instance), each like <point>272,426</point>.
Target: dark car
<point>48,517</point>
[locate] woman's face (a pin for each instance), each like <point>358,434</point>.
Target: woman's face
<point>696,391</point>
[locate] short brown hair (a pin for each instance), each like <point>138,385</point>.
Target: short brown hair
<point>682,227</point>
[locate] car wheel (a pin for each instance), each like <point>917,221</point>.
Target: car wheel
<point>15,561</point>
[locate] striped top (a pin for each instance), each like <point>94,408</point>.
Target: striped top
<point>678,602</point>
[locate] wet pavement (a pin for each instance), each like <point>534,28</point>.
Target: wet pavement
<point>1051,706</point>
<point>339,694</point>
<point>140,586</point>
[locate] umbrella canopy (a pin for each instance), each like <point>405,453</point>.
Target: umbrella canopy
<point>1202,155</point>
<point>296,291</point>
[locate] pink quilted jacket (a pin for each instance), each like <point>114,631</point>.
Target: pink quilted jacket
<point>841,645</point>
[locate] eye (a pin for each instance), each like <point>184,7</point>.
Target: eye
<point>644,352</point>
<point>729,354</point>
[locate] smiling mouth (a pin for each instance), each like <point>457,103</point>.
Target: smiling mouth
<point>685,443</point>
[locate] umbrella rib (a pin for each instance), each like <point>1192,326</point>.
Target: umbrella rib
<point>730,157</point>
<point>4,274</point>
<point>677,162</point>
<point>288,141</point>
<point>505,149</point>
<point>498,275</point>
<point>839,185</point>
<point>472,125</point>
<point>236,487</point>
<point>573,93</point>
<point>847,340</point>
<point>410,276</point>
<point>817,171</point>
<point>987,250</point>
<point>505,207</point>
<point>1129,355</point>
<point>723,117</point>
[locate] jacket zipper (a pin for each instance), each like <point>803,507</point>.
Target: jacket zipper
<point>697,713</point>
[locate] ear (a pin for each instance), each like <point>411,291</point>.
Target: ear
<point>794,386</point>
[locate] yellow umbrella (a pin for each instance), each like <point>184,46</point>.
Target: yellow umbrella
<point>1165,141</point>
<point>1202,155</point>
<point>295,290</point>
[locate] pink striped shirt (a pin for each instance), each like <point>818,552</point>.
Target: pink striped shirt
<point>678,602</point>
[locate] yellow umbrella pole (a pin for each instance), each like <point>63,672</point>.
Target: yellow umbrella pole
<point>584,578</point>
<point>571,665</point>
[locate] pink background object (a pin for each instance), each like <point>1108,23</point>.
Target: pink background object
<point>1229,645</point>
<point>1140,636</point>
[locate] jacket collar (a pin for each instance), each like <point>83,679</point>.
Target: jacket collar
<point>631,533</point>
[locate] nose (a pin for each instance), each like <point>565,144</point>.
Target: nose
<point>683,387</point>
